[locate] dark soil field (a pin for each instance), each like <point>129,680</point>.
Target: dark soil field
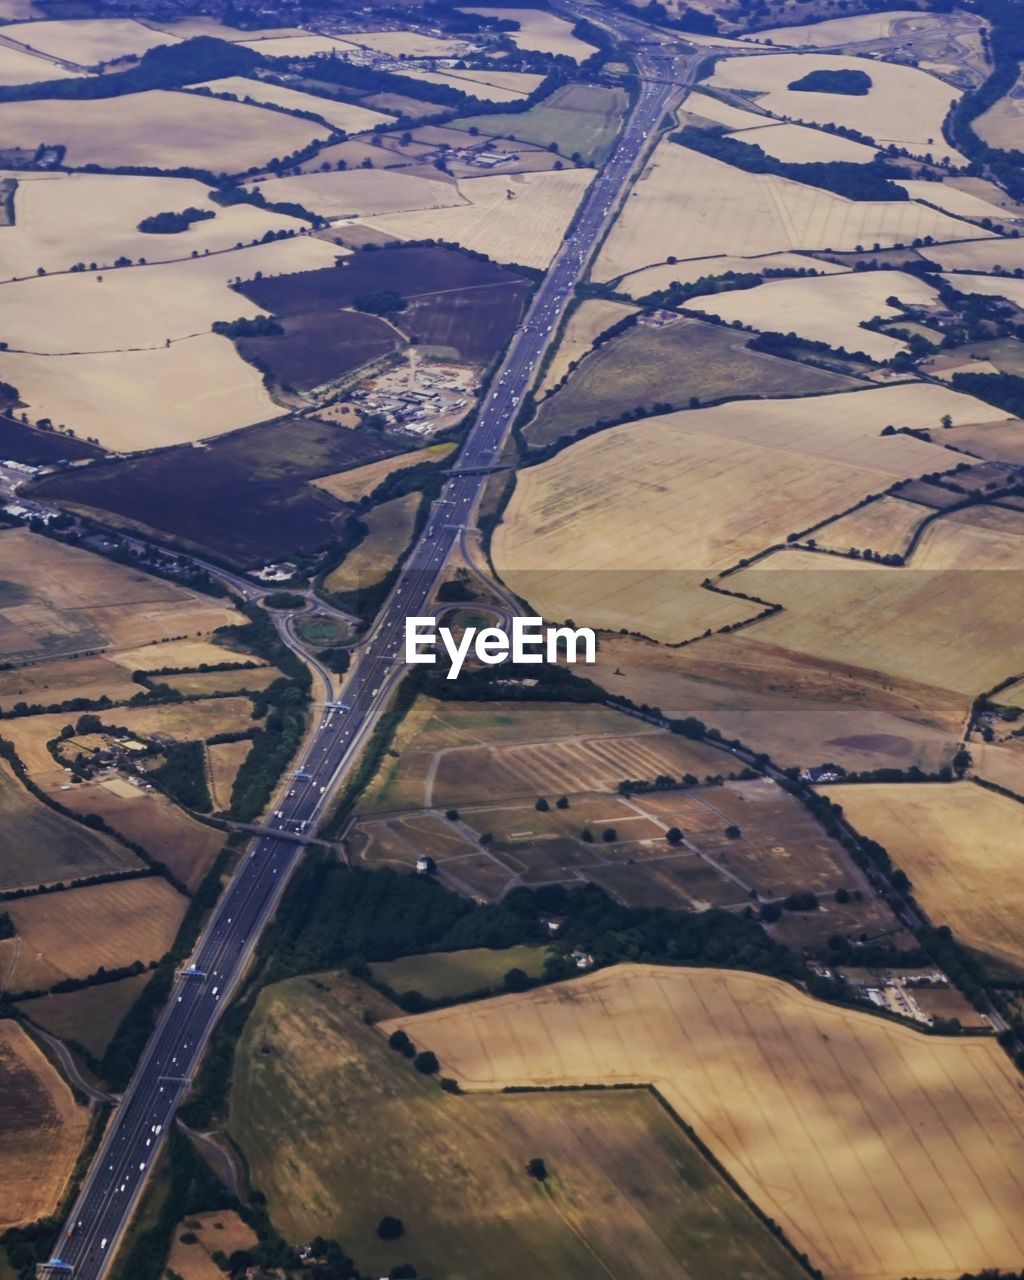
<point>21,443</point>
<point>455,301</point>
<point>319,346</point>
<point>670,365</point>
<point>248,499</point>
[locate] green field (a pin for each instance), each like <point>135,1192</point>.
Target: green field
<point>578,118</point>
<point>670,365</point>
<point>323,629</point>
<point>450,974</point>
<point>88,1017</point>
<point>338,1130</point>
<point>49,847</point>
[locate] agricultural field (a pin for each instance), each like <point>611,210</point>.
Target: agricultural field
<point>721,483</point>
<point>960,846</point>
<point>489,86</point>
<point>294,44</point>
<point>903,105</point>
<point>88,1017</point>
<point>42,1126</point>
<point>340,115</point>
<point>163,130</point>
<point>689,205</point>
<point>796,144</point>
<point>671,365</point>
<point>1000,125</point>
<point>756,1068</point>
<point>639,284</point>
<point>886,526</point>
<point>18,66</point>
<point>88,42</point>
<point>580,119</point>
<point>64,678</point>
<point>953,199</point>
<point>541,31</point>
<point>104,225</point>
<point>235,484</point>
<point>391,527</point>
<point>352,193</point>
<point>44,847</point>
<point>225,759</point>
<point>222,1232</point>
<point>447,975</point>
<point>993,254</point>
<point>824,308</point>
<point>1011,288</point>
<point>587,321</point>
<point>57,600</point>
<point>627,1190</point>
<point>73,933</point>
<point>514,218</point>
<point>407,44</point>
<point>360,482</point>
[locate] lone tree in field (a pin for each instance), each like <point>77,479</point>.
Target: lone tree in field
<point>427,1063</point>
<point>390,1228</point>
<point>537,1169</point>
<point>542,805</point>
<point>562,802</point>
<point>514,980</point>
<point>674,836</point>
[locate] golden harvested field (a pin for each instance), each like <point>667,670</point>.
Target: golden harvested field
<point>221,1232</point>
<point>983,538</point>
<point>342,115</point>
<point>89,1017</point>
<point>796,144</point>
<point>225,760</point>
<point>65,218</point>
<point>824,308</point>
<point>299,45</point>
<point>587,322</point>
<point>150,819</point>
<point>628,1195</point>
<point>954,200</point>
<point>72,933</point>
<point>635,517</point>
<point>489,86</point>
<point>56,599</point>
<point>390,529</point>
<point>41,1130</point>
<point>885,526</point>
<point>406,44</point>
<point>18,66</point>
<point>45,847</point>
<point>88,41</point>
<point>205,683</point>
<point>706,107</point>
<point>929,621</point>
<point>359,482</point>
<point>357,192</point>
<point>688,205</point>
<point>1000,125</point>
<point>145,399</point>
<point>801,709</point>
<point>514,218</point>
<point>961,847</point>
<point>542,31</point>
<point>1001,762</point>
<point>979,255</point>
<point>188,654</point>
<point>639,283</point>
<point>879,1151</point>
<point>130,310</point>
<point>59,680</point>
<point>163,130</point>
<point>1009,287</point>
<point>904,105</point>
<point>836,31</point>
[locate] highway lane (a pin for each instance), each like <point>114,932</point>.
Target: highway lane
<point>115,1179</point>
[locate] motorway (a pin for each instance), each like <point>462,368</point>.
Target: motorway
<point>139,1125</point>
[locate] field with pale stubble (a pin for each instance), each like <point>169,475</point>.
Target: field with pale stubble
<point>880,1152</point>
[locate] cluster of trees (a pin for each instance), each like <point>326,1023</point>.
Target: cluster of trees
<point>257,327</point>
<point>1005,390</point>
<point>183,776</point>
<point>384,302</point>
<point>852,82</point>
<point>843,177</point>
<point>170,223</point>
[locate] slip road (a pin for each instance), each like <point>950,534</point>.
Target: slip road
<point>116,1176</point>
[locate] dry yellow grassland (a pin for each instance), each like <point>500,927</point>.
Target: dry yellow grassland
<point>881,1152</point>
<point>904,105</point>
<point>1009,287</point>
<point>796,144</point>
<point>1000,125</point>
<point>365,191</point>
<point>359,482</point>
<point>885,526</point>
<point>961,847</point>
<point>407,44</point>
<point>645,281</point>
<point>929,621</point>
<point>690,205</point>
<point>825,308</point>
<point>65,218</point>
<point>978,255</point>
<point>18,66</point>
<point>489,86</point>
<point>299,45</point>
<point>541,31</point>
<point>516,218</point>
<point>88,41</point>
<point>163,129</point>
<point>41,1130</point>
<point>343,115</point>
<point>978,538</point>
<point>390,529</point>
<point>836,31</point>
<point>954,200</point>
<point>718,112</point>
<point>589,320</point>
